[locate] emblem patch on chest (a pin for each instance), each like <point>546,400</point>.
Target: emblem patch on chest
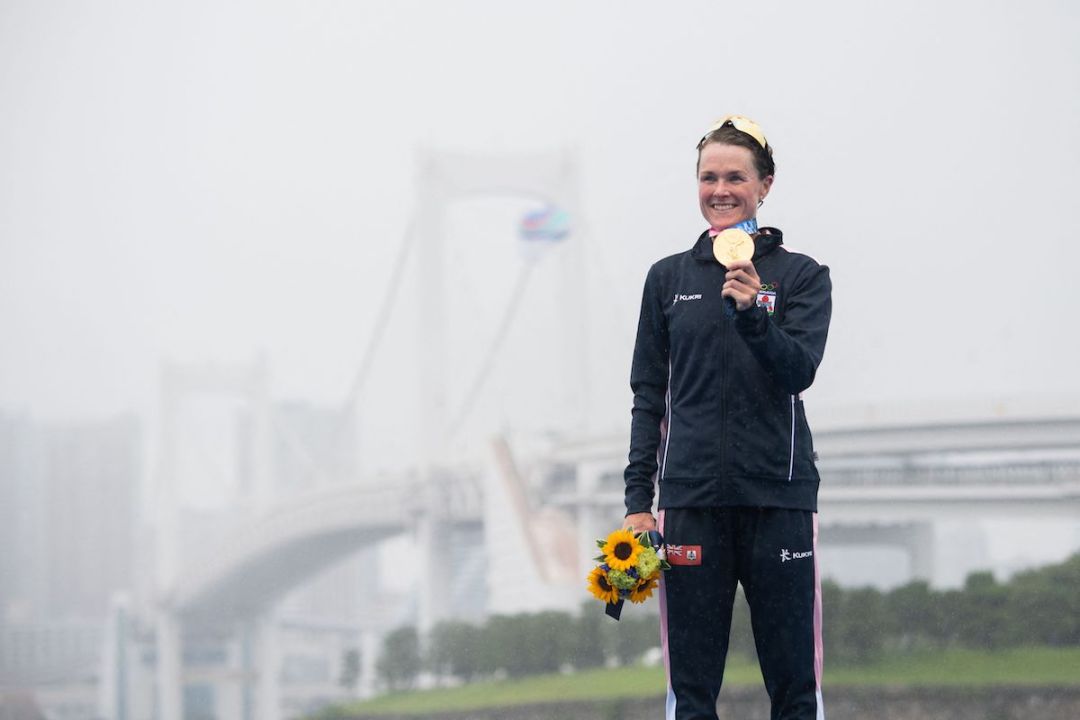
<point>766,297</point>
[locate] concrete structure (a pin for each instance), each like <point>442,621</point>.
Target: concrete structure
<point>871,499</point>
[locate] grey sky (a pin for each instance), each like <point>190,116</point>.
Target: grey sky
<point>203,181</point>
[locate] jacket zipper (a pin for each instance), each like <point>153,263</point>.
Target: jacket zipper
<point>667,440</point>
<point>791,457</point>
<point>725,356</point>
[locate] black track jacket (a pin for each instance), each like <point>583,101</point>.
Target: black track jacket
<point>718,418</point>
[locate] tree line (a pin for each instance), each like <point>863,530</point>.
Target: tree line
<point>1036,607</point>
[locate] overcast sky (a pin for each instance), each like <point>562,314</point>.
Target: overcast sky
<point>205,181</point>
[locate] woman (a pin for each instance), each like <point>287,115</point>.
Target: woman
<point>721,357</point>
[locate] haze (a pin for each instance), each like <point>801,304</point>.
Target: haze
<point>206,182</point>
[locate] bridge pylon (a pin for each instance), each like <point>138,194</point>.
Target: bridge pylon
<point>444,177</point>
<point>178,385</point>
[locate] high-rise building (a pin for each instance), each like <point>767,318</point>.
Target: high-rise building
<point>22,532</point>
<point>67,504</point>
<point>91,475</point>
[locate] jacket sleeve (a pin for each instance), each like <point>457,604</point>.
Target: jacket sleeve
<point>649,382</point>
<point>791,354</point>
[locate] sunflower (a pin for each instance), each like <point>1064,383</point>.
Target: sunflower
<point>621,550</point>
<point>643,591</point>
<point>600,587</point>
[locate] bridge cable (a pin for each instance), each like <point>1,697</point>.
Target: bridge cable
<point>481,377</point>
<point>381,321</point>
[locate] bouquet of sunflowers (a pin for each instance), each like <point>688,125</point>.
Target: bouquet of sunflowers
<point>629,568</point>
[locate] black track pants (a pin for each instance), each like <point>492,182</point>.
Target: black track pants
<point>772,552</point>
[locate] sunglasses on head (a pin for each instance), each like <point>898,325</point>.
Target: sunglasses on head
<point>740,123</point>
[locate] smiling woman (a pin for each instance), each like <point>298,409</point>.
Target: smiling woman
<point>735,172</point>
<point>718,424</point>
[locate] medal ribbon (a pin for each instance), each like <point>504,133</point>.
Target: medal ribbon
<point>748,226</point>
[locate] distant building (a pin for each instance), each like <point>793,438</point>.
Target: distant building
<point>22,506</point>
<point>67,509</point>
<point>92,473</point>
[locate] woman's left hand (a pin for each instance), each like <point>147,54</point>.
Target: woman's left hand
<point>742,284</point>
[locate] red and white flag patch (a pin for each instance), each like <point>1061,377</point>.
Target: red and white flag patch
<point>683,554</point>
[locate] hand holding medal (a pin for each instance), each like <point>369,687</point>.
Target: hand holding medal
<point>734,249</point>
<point>741,286</point>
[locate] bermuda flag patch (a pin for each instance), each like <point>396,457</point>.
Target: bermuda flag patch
<point>683,554</point>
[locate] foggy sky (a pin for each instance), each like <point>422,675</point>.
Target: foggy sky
<point>206,181</point>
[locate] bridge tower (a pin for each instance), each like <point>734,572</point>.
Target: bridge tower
<point>443,178</point>
<point>253,495</point>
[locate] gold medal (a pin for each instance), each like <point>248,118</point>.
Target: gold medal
<point>731,245</point>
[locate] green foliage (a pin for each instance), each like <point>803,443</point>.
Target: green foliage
<point>832,596</point>
<point>527,644</point>
<point>399,664</point>
<point>914,615</point>
<point>549,641</point>
<point>1025,631</point>
<point>980,613</point>
<point>862,625</point>
<point>589,643</point>
<point>629,639</point>
<point>1037,607</point>
<point>455,650</point>
<point>350,669</point>
<point>1047,604</point>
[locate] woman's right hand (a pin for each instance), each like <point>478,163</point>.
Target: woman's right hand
<point>640,522</point>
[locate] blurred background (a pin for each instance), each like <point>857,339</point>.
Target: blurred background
<point>317,317</point>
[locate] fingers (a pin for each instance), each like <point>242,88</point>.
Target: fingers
<point>747,265</point>
<point>640,522</point>
<point>743,300</point>
<point>745,271</point>
<point>742,284</point>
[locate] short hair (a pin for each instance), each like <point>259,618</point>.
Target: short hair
<point>728,135</point>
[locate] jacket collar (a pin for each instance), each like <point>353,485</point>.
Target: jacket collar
<point>766,240</point>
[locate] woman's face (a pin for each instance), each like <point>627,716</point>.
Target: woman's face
<point>729,188</point>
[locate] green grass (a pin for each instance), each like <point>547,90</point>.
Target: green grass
<point>965,668</point>
<point>953,668</point>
